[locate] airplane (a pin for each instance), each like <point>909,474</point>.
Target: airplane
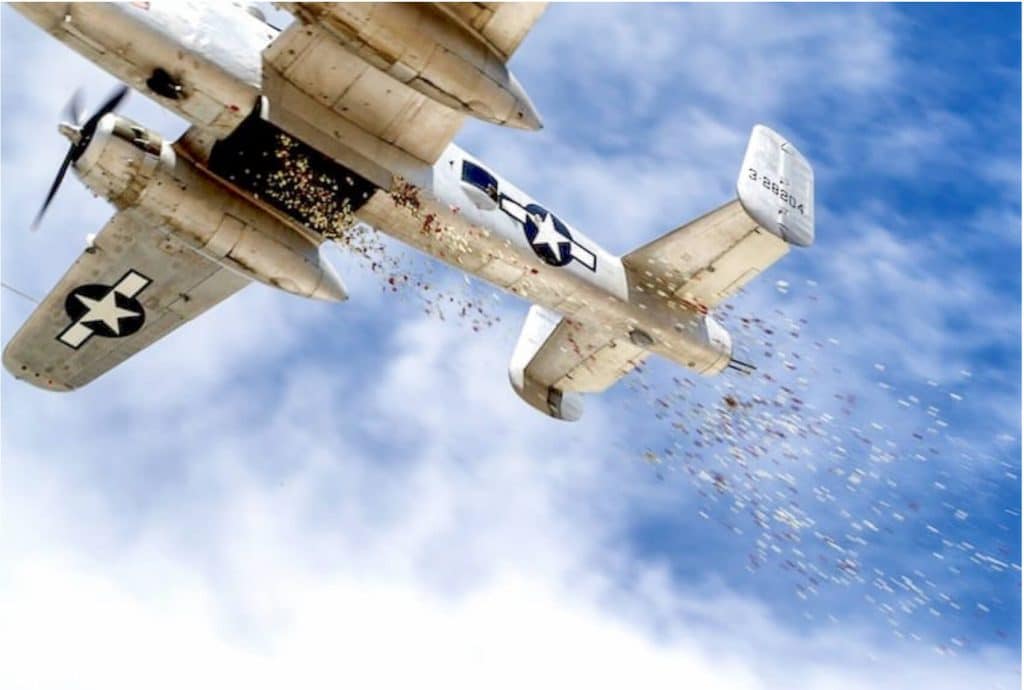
<point>347,117</point>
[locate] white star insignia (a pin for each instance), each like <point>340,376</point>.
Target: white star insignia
<point>547,235</point>
<point>105,310</point>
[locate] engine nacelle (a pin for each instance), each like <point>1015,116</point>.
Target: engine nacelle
<point>424,48</point>
<point>134,167</point>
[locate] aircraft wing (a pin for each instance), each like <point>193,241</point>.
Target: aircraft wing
<point>555,356</point>
<point>503,25</point>
<point>133,286</point>
<point>323,86</point>
<point>707,260</point>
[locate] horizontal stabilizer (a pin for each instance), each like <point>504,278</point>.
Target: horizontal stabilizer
<point>709,259</point>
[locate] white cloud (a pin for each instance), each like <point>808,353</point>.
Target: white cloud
<point>288,555</point>
<point>514,632</point>
<point>301,595</point>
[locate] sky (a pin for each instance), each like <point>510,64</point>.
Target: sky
<point>292,492</point>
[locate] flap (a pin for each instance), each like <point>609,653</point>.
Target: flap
<point>135,285</point>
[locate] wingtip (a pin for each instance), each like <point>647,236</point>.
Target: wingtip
<point>19,370</point>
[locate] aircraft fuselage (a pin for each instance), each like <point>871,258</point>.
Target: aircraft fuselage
<point>203,62</point>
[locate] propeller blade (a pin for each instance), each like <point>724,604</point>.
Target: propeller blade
<point>73,108</point>
<point>53,188</point>
<point>112,103</point>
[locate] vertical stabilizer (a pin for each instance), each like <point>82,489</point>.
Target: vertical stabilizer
<point>776,187</point>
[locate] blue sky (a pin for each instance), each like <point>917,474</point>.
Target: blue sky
<point>290,491</point>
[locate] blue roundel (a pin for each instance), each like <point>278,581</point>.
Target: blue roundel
<point>548,236</point>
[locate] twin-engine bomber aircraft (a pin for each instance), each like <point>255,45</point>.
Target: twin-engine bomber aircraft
<point>347,116</point>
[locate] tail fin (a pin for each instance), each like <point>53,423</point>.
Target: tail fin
<point>776,187</point>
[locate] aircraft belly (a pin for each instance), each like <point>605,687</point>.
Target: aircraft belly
<point>491,256</point>
<point>501,273</point>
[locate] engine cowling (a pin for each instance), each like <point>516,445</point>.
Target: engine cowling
<point>132,166</point>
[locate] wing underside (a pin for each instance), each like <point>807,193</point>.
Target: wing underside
<point>318,82</point>
<point>327,85</point>
<point>134,285</point>
<point>503,25</point>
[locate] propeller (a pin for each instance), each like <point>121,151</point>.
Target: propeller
<point>73,108</point>
<point>80,136</point>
